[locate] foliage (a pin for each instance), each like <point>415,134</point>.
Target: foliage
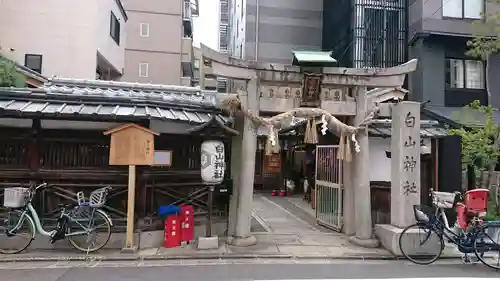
<point>9,77</point>
<point>486,42</point>
<point>492,216</point>
<point>477,142</point>
<point>486,33</point>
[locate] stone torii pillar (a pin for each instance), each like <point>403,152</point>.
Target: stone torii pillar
<point>243,153</point>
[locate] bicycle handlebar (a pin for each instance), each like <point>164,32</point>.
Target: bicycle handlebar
<point>41,185</point>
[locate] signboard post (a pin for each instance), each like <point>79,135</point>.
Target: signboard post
<point>131,145</point>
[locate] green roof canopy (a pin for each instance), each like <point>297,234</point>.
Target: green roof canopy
<point>313,58</point>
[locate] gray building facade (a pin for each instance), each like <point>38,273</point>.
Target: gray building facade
<point>269,30</point>
<point>438,35</point>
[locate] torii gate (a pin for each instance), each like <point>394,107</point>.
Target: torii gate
<point>361,105</point>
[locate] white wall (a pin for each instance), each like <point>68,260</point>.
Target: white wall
<point>67,34</point>
<point>380,165</point>
<point>114,53</point>
<point>206,25</point>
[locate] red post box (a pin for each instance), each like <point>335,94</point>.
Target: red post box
<point>187,224</point>
<point>172,232</point>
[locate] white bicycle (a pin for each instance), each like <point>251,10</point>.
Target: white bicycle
<point>81,225</point>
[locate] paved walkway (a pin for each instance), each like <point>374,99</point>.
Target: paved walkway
<point>276,218</point>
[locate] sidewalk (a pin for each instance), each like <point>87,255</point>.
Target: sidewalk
<point>288,246</point>
<point>289,234</point>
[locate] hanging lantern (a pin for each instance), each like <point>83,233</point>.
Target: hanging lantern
<point>212,162</point>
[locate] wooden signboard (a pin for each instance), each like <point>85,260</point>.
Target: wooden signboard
<point>272,163</point>
<point>311,91</point>
<point>131,144</point>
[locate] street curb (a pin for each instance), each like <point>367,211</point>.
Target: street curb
<point>200,257</point>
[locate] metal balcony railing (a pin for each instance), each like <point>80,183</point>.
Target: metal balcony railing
<point>224,11</point>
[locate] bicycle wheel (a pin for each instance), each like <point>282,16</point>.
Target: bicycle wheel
<point>420,244</point>
<point>94,226</point>
<point>15,240</point>
<point>487,246</point>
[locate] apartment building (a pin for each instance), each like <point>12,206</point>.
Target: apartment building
<point>438,35</point>
<point>79,39</point>
<point>159,41</point>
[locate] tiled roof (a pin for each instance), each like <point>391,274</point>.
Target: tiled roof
<point>110,99</point>
<point>460,116</point>
<point>428,129</point>
<point>30,73</point>
<point>177,95</point>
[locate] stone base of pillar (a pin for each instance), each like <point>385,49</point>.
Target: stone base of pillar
<point>366,243</point>
<point>247,241</point>
<point>129,250</point>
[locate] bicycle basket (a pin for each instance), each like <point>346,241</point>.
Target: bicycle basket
<point>15,197</point>
<point>423,213</point>
<point>445,200</point>
<point>97,198</point>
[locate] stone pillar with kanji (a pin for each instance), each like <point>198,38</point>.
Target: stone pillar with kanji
<point>405,162</point>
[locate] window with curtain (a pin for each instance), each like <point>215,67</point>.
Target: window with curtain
<point>465,74</point>
<point>469,9</point>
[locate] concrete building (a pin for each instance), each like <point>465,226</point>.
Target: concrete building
<point>269,30</point>
<point>222,83</point>
<point>159,42</point>
<point>83,39</point>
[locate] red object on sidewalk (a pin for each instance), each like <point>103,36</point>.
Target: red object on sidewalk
<point>187,223</point>
<point>282,193</point>
<point>172,232</point>
<point>274,193</point>
<point>289,194</point>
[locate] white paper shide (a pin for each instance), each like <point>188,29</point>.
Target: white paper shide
<point>212,162</point>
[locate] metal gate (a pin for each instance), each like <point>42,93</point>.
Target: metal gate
<point>328,185</point>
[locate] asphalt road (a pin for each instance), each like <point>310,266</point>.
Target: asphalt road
<point>242,270</point>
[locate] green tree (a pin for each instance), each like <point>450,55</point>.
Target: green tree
<point>480,144</point>
<point>486,42</point>
<point>9,77</point>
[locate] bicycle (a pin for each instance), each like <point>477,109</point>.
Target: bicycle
<point>86,219</point>
<point>431,221</point>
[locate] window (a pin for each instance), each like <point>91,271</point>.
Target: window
<point>196,63</point>
<point>468,74</point>
<point>143,69</point>
<point>467,9</point>
<point>115,29</point>
<point>380,37</point>
<point>33,62</point>
<point>144,27</point>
